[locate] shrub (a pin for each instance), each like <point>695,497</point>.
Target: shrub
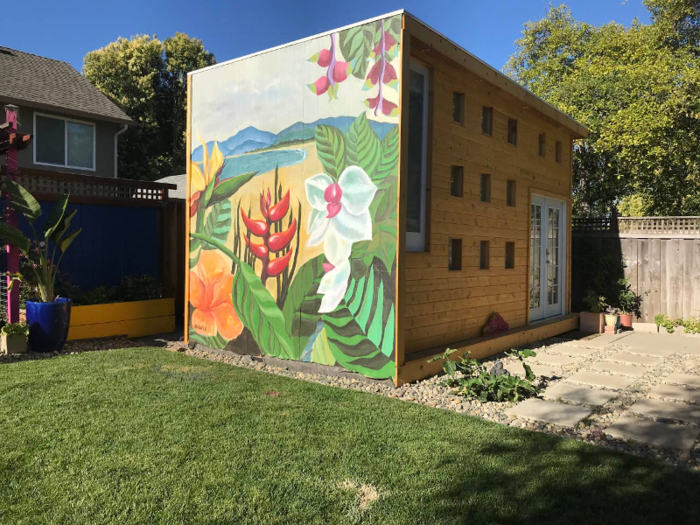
<point>10,329</point>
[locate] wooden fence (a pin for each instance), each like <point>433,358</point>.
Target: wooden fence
<point>661,254</point>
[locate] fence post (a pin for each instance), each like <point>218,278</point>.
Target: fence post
<point>11,217</point>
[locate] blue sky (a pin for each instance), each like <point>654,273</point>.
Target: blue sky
<point>67,30</point>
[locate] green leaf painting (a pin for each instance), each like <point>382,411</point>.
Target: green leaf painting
<point>301,306</point>
<point>330,148</point>
<point>389,162</point>
<point>218,223</point>
<point>226,188</point>
<point>363,146</point>
<point>356,44</point>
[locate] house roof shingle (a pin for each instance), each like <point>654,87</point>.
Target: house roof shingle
<point>45,83</point>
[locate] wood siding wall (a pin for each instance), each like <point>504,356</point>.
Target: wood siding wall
<point>442,306</point>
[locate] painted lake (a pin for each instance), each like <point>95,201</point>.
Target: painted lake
<point>261,162</point>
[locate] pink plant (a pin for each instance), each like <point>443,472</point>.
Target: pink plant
<point>495,325</point>
<point>336,71</point>
<point>382,73</point>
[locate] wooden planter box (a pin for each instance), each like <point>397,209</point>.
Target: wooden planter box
<point>591,323</point>
<point>132,319</point>
<point>13,344</point>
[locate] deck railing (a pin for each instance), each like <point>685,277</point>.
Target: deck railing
<point>654,226</point>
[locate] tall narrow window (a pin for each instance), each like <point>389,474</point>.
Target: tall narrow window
<point>485,187</point>
<point>557,151</point>
<point>457,181</point>
<point>510,255</point>
<point>417,157</point>
<point>510,193</point>
<point>513,131</point>
<point>458,107</point>
<point>543,144</point>
<point>454,254</point>
<point>487,120</point>
<point>484,255</point>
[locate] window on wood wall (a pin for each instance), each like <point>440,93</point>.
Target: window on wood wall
<point>487,120</point>
<point>510,193</point>
<point>512,131</point>
<point>557,151</point>
<point>454,254</point>
<point>484,257</point>
<point>485,187</point>
<point>457,181</point>
<point>458,107</point>
<point>510,255</point>
<point>543,144</point>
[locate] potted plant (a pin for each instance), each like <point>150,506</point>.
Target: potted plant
<point>630,303</point>
<point>49,316</point>
<point>13,338</point>
<point>612,319</point>
<point>592,319</point>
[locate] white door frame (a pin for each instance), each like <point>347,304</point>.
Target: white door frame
<point>544,310</point>
<point>415,241</point>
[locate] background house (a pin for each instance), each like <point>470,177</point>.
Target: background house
<point>74,127</point>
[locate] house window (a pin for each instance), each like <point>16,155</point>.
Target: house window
<point>557,151</point>
<point>513,131</point>
<point>510,193</point>
<point>543,144</point>
<point>64,142</point>
<point>417,158</point>
<point>510,255</point>
<point>483,255</point>
<point>485,187</point>
<point>458,107</point>
<point>455,255</point>
<point>457,181</point>
<point>487,120</point>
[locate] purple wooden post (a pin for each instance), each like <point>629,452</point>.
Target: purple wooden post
<point>11,216</point>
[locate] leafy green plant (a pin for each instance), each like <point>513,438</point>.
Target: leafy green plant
<point>596,303</point>
<point>690,326</point>
<point>476,382</point>
<point>13,329</point>
<point>629,302</point>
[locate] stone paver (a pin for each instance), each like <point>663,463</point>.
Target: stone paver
<point>550,412</point>
<point>516,369</point>
<point>617,368</point>
<point>601,340</point>
<point>604,380</point>
<point>664,435</point>
<point>667,409</point>
<point>579,394</point>
<point>676,392</point>
<point>683,379</point>
<point>635,359</point>
<point>569,349</point>
<point>650,344</point>
<point>554,359</point>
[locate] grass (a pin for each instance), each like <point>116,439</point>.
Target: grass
<point>149,436</point>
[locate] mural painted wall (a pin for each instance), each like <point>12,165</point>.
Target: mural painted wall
<point>294,168</point>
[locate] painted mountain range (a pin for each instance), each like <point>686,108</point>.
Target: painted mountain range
<point>251,138</point>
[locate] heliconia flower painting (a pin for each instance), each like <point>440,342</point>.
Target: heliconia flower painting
<point>293,199</point>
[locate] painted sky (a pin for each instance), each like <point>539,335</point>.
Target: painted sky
<point>67,30</point>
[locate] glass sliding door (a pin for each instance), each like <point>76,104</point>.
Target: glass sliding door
<point>417,157</point>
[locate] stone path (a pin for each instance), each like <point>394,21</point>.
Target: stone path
<point>636,388</point>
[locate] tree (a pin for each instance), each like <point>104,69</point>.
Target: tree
<point>637,90</point>
<point>147,79</point>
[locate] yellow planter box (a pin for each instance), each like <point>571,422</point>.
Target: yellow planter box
<point>132,319</point>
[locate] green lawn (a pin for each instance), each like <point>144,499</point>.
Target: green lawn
<point>149,436</point>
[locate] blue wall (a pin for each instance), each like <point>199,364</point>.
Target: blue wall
<point>116,241</point>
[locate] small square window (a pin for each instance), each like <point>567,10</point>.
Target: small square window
<point>485,187</point>
<point>557,151</point>
<point>510,193</point>
<point>487,120</point>
<point>483,255</point>
<point>512,131</point>
<point>455,254</point>
<point>458,107</point>
<point>510,255</point>
<point>457,181</point>
<point>543,144</point>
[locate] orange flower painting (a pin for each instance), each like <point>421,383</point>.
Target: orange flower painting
<point>211,283</point>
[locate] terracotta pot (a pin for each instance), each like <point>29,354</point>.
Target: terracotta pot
<point>591,323</point>
<point>626,320</point>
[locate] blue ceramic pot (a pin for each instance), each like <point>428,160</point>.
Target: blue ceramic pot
<point>48,324</point>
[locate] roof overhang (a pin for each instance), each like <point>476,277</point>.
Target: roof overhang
<point>66,111</point>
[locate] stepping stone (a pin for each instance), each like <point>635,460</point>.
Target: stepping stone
<point>676,392</point>
<point>550,412</point>
<point>617,368</point>
<point>663,435</point>
<point>604,380</point>
<point>691,345</point>
<point>516,369</point>
<point>554,360</point>
<point>579,394</point>
<point>651,345</point>
<point>601,341</point>
<point>634,359</point>
<point>668,409</point>
<point>568,349</point>
<point>683,379</point>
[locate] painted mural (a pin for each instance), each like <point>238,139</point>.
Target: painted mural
<point>293,181</point>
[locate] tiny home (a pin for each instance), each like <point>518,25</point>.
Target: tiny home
<point>371,196</point>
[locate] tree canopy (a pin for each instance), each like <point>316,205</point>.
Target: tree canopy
<point>637,89</point>
<point>147,78</point>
